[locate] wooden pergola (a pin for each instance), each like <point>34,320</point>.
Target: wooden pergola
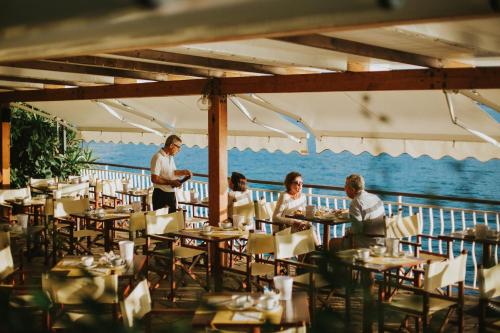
<point>109,51</point>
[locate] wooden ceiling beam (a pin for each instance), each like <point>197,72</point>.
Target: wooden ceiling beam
<point>421,79</point>
<point>91,70</point>
<point>141,66</point>
<point>197,61</point>
<point>38,80</point>
<point>367,50</point>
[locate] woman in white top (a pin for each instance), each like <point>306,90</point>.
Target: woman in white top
<point>291,201</point>
<point>239,192</point>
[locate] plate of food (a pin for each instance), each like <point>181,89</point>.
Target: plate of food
<point>298,212</point>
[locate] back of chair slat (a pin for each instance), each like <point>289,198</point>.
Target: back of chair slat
<point>489,282</point>
<point>264,210</point>
<point>260,243</point>
<point>4,239</point>
<point>64,290</point>
<point>161,224</point>
<point>244,209</point>
<point>66,206</point>
<point>288,246</point>
<point>6,261</point>
<point>137,304</point>
<point>73,190</point>
<point>42,182</point>
<point>13,194</point>
<point>399,227</point>
<point>445,273</point>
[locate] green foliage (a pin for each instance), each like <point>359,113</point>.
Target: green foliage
<point>35,150</point>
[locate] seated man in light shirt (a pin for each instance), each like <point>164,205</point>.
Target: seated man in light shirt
<point>366,212</point>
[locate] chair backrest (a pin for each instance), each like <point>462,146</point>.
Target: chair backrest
<point>16,193</point>
<point>137,304</point>
<point>399,227</point>
<point>137,221</point>
<point>264,210</point>
<point>260,243</point>
<point>291,245</point>
<point>247,209</point>
<point>66,206</point>
<point>489,282</point>
<point>161,224</point>
<point>106,187</point>
<point>183,196</point>
<point>4,239</point>
<point>445,273</point>
<point>6,261</point>
<point>42,182</point>
<point>73,190</point>
<point>76,290</point>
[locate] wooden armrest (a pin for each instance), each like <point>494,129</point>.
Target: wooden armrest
<point>161,238</point>
<point>410,243</point>
<point>297,263</point>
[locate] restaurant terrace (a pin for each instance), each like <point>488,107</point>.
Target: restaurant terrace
<point>396,77</point>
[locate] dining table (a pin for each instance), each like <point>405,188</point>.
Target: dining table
<point>326,220</point>
<point>216,312</point>
<point>487,242</point>
<point>214,241</point>
<point>108,220</point>
<point>382,265</point>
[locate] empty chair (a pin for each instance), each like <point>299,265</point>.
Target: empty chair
<point>424,302</point>
<point>70,229</point>
<point>489,287</point>
<point>158,224</point>
<point>263,213</point>
<point>6,264</point>
<point>72,190</point>
<point>70,294</point>
<point>6,213</point>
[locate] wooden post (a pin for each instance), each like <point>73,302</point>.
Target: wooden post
<point>217,159</point>
<point>5,115</point>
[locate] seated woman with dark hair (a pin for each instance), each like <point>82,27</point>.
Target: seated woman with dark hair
<point>239,192</point>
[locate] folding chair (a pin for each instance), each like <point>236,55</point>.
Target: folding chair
<point>263,213</point>
<point>489,287</point>
<point>424,302</point>
<point>157,225</point>
<point>73,298</point>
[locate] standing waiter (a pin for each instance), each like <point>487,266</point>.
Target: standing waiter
<point>165,176</point>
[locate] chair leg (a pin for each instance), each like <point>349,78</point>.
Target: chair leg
<point>172,280</point>
<point>426,323</point>
<point>482,315</point>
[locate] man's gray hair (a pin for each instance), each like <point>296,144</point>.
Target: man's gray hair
<point>356,182</point>
<point>172,139</point>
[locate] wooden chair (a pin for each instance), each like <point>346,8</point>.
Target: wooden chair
<point>411,226</point>
<point>7,269</point>
<point>157,225</point>
<point>6,212</point>
<point>137,230</point>
<point>73,299</point>
<point>290,247</point>
<point>263,213</point>
<point>138,307</point>
<point>105,191</point>
<point>72,190</point>
<point>489,287</point>
<point>73,230</point>
<point>423,303</point>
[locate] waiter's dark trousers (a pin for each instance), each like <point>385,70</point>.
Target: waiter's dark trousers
<point>164,199</point>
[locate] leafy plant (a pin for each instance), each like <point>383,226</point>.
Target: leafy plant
<point>36,149</point>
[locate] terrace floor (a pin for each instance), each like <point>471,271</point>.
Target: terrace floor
<point>327,321</point>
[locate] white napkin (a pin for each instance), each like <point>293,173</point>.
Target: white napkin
<point>248,316</point>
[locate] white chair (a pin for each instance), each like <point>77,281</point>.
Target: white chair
<point>71,229</point>
<point>11,194</point>
<point>263,213</point>
<point>424,302</point>
<point>158,224</point>
<point>7,269</point>
<point>72,292</point>
<point>72,190</point>
<point>489,288</point>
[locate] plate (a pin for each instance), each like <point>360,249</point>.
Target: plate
<point>261,307</point>
<point>244,306</point>
<point>94,265</point>
<point>358,259</point>
<point>206,233</point>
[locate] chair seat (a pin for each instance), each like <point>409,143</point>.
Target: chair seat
<point>85,233</point>
<point>141,241</point>
<point>186,252</point>
<point>305,279</point>
<point>414,303</point>
<point>256,268</point>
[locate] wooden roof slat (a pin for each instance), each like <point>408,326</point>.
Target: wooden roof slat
<point>198,61</point>
<point>366,50</point>
<point>39,80</point>
<point>422,79</point>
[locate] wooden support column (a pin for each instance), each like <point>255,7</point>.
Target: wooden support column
<point>217,159</point>
<point>5,116</point>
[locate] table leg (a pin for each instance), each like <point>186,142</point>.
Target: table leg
<point>486,255</point>
<point>367,282</point>
<point>215,265</point>
<point>381,298</point>
<point>326,236</point>
<point>144,204</point>
<point>107,238</point>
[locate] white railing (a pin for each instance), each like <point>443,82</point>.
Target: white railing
<point>436,220</point>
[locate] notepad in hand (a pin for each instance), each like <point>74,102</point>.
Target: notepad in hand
<point>184,179</point>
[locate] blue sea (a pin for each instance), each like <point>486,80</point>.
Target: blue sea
<point>467,178</point>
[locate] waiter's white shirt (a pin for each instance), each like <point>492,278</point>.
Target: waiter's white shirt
<point>163,165</point>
